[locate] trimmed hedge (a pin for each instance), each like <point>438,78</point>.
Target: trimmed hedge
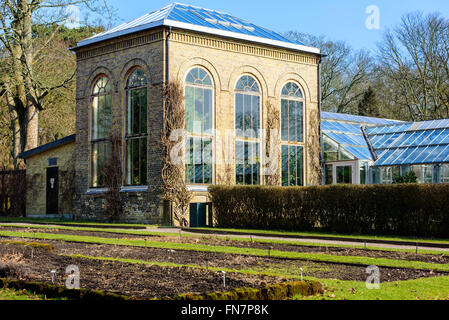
<point>280,291</point>
<point>403,210</point>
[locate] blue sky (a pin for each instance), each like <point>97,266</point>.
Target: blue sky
<point>335,19</point>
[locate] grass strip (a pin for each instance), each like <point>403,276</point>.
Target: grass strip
<point>318,257</point>
<point>329,235</point>
<point>433,288</point>
<point>417,289</point>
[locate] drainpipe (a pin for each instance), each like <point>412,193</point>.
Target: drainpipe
<point>319,123</point>
<point>167,54</point>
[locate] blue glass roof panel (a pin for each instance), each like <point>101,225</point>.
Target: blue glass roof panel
<point>199,17</point>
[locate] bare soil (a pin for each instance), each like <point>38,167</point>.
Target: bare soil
<point>217,260</point>
<point>135,280</point>
<point>220,241</point>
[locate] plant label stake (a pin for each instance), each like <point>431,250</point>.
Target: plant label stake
<point>301,273</point>
<point>145,243</point>
<point>53,276</point>
<point>251,238</point>
<point>224,278</point>
<point>207,264</point>
<point>32,253</point>
<point>364,245</point>
<point>417,248</point>
<point>269,251</point>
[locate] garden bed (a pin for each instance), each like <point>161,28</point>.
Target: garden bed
<point>222,241</point>
<point>255,264</point>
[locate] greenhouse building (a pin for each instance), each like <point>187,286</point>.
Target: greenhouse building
<point>366,150</point>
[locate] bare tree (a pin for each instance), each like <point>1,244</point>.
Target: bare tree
<point>345,73</point>
<point>413,61</point>
<point>22,91</point>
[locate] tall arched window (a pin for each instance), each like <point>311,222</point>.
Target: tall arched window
<point>247,131</point>
<point>292,110</point>
<point>100,128</point>
<point>136,129</point>
<point>199,105</point>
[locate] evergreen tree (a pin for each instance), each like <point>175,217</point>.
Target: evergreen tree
<point>368,106</point>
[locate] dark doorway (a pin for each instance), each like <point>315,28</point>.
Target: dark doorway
<point>52,190</point>
<point>198,215</point>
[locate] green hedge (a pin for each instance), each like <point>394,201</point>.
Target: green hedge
<point>280,291</point>
<point>403,210</point>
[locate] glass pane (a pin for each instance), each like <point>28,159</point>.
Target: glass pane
<point>137,79</point>
<point>329,174</point>
<point>255,116</point>
<point>285,165</point>
<point>299,167</point>
<point>207,111</point>
<point>284,120</point>
<point>299,108</point>
<point>292,166</point>
<point>198,117</point>
<point>199,77</point>
<point>190,172</point>
<point>198,160</point>
<point>291,121</point>
<point>189,101</point>
<point>247,119</point>
<point>239,115</point>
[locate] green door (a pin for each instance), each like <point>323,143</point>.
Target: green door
<point>198,213</point>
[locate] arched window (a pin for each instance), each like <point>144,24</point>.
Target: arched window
<point>292,110</point>
<point>199,105</point>
<point>247,130</point>
<point>136,129</point>
<point>100,127</point>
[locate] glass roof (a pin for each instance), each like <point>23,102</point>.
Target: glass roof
<point>349,136</point>
<point>411,143</point>
<point>202,20</point>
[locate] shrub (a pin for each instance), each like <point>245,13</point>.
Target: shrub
<point>402,209</point>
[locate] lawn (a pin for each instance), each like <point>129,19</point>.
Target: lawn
<point>146,265</point>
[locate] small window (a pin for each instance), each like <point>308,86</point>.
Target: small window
<point>52,161</point>
<point>344,174</point>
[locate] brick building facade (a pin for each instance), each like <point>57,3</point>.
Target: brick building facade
<point>120,77</point>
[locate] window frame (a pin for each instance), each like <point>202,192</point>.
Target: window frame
<point>204,135</point>
<point>303,127</point>
<point>248,140</point>
<point>131,137</point>
<point>97,141</point>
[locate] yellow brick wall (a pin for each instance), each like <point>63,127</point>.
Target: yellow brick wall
<point>226,61</point>
<point>36,171</point>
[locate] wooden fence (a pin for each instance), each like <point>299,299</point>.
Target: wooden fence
<point>12,193</point>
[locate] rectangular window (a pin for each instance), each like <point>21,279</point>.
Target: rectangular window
<point>363,173</point>
<point>292,165</point>
<point>100,152</point>
<point>387,175</point>
<point>427,174</point>
<point>136,137</point>
<point>198,102</point>
<point>329,174</point>
<point>444,173</point>
<point>247,163</point>
<point>344,174</point>
<point>101,117</point>
<point>291,121</point>
<point>247,109</point>
<point>199,160</point>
